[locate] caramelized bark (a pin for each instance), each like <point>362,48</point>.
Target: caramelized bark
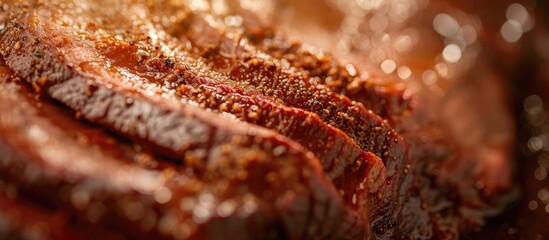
<point>224,159</point>
<point>180,82</point>
<point>385,98</point>
<point>99,185</point>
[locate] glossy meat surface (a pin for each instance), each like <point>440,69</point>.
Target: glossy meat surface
<point>181,120</point>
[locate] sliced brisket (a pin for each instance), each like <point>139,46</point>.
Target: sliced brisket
<point>176,120</point>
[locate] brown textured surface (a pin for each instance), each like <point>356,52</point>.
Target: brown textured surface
<point>248,132</point>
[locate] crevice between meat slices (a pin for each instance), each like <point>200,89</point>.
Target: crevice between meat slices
<point>224,196</point>
<point>63,85</point>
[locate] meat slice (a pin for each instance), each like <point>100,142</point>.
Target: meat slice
<point>101,186</point>
<point>258,73</point>
<point>385,98</point>
<point>193,82</point>
<point>335,149</point>
<point>242,132</point>
<point>362,171</point>
<point>235,72</point>
<point>258,26</point>
<point>70,69</point>
<point>353,170</point>
<point>246,71</point>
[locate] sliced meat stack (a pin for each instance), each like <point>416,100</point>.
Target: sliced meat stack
<point>164,120</point>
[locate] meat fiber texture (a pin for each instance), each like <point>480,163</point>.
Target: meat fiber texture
<point>160,119</point>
